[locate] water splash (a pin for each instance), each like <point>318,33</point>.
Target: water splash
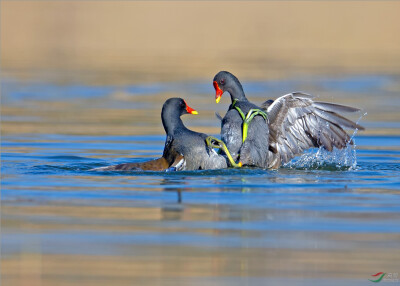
<point>322,159</point>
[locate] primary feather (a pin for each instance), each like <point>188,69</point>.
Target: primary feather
<point>295,123</point>
<point>298,123</point>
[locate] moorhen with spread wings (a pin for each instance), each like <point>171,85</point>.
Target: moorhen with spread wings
<point>273,134</point>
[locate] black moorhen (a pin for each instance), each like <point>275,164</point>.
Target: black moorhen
<point>273,134</point>
<point>184,149</point>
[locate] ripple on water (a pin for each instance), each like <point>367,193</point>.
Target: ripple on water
<point>321,214</point>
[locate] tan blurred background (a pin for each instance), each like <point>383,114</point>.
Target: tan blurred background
<point>133,41</point>
<point>123,42</point>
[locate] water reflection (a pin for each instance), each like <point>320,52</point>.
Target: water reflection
<point>221,227</point>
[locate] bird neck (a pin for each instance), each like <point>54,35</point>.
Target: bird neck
<point>236,92</point>
<point>171,122</point>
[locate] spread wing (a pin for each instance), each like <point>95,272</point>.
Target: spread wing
<point>297,123</point>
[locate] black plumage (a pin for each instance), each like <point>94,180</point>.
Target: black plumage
<point>295,123</point>
<point>184,149</point>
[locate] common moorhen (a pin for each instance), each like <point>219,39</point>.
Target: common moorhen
<point>273,134</point>
<point>184,149</point>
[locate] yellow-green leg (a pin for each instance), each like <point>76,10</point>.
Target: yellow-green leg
<point>213,142</point>
<point>249,117</point>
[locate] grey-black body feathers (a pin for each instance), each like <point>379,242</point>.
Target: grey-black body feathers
<point>295,123</point>
<point>184,149</point>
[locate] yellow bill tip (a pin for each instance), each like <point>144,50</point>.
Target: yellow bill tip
<point>194,112</point>
<point>217,99</point>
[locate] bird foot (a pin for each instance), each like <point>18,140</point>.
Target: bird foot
<point>213,142</point>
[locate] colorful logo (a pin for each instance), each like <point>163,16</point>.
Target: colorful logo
<point>378,276</point>
<point>385,277</point>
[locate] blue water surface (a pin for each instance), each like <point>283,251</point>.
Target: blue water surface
<point>349,201</point>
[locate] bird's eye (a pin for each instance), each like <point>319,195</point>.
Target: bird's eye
<point>222,81</point>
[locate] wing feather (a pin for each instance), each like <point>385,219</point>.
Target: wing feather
<point>337,119</point>
<point>297,123</point>
<point>334,107</point>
